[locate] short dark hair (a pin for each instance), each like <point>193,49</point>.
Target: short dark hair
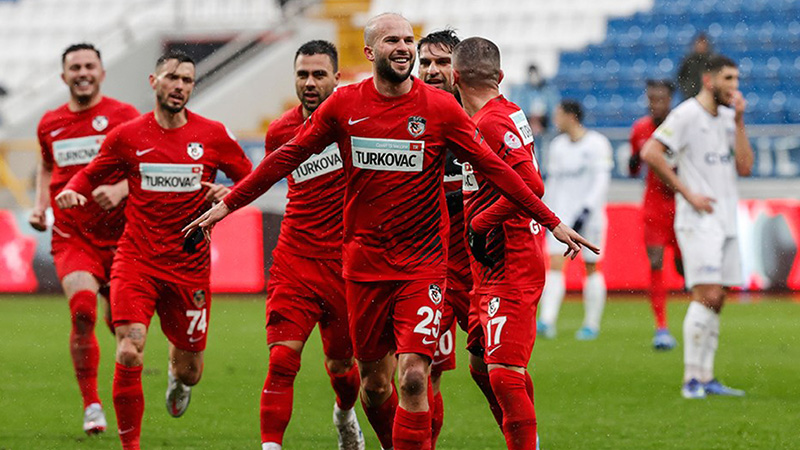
<point>446,38</point>
<point>574,108</point>
<point>320,47</point>
<point>477,61</point>
<point>662,83</point>
<point>175,54</point>
<point>79,46</point>
<point>717,62</point>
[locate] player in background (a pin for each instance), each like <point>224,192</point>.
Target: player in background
<point>170,158</point>
<point>579,164</point>
<point>393,131</point>
<point>83,240</point>
<point>706,136</point>
<point>507,264</point>
<point>306,285</point>
<point>435,69</point>
<point>658,209</point>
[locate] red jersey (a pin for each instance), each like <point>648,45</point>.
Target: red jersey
<point>459,275</point>
<point>393,149</point>
<point>164,168</point>
<point>659,200</point>
<point>312,225</point>
<point>69,141</point>
<point>520,261</point>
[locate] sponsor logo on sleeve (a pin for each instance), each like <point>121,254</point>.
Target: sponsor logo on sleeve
<point>77,151</point>
<point>100,123</point>
<point>391,155</point>
<point>329,160</point>
<point>416,126</point>
<point>195,150</point>
<point>494,306</point>
<point>512,141</point>
<point>524,128</point>
<point>171,177</point>
<point>435,293</point>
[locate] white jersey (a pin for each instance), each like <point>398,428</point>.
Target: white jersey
<point>702,146</point>
<point>578,175</point>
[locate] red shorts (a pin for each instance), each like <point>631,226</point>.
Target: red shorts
<point>184,310</point>
<point>455,310</point>
<point>659,231</point>
<point>507,327</point>
<point>76,254</point>
<point>303,292</point>
<point>394,315</point>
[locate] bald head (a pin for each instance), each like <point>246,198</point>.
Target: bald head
<point>477,61</point>
<point>378,25</point>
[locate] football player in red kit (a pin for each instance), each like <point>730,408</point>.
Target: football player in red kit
<point>658,209</point>
<point>306,285</point>
<point>392,131</point>
<point>84,240</point>
<point>170,158</point>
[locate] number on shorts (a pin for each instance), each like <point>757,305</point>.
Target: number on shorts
<point>199,321</point>
<point>497,323</point>
<point>431,316</point>
<point>446,343</point>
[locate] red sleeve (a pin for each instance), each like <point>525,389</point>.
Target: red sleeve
<point>469,145</point>
<point>44,146</point>
<point>317,132</point>
<point>233,161</point>
<point>503,209</point>
<point>102,166</point>
<point>637,143</point>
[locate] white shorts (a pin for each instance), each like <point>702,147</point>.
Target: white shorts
<point>710,257</point>
<point>593,230</point>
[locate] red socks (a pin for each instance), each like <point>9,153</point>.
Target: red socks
<point>437,418</point>
<point>83,344</point>
<point>519,417</point>
<point>482,380</point>
<point>128,404</point>
<point>278,393</point>
<point>346,387</point>
<point>658,297</point>
<point>412,430</point>
<point>382,418</point>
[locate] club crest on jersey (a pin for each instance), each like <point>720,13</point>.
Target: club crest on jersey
<point>100,123</point>
<point>494,305</point>
<point>416,126</point>
<point>435,293</point>
<point>195,150</point>
<point>199,298</point>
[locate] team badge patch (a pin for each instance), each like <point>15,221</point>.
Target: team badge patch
<point>100,123</point>
<point>199,298</point>
<point>195,150</point>
<point>512,141</point>
<point>494,305</point>
<point>435,293</point>
<point>416,126</point>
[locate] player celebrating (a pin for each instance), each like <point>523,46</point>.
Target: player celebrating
<point>306,285</point>
<point>83,240</point>
<point>707,136</point>
<point>170,158</point>
<point>507,264</point>
<point>578,175</point>
<point>435,69</point>
<point>658,209</point>
<point>392,131</point>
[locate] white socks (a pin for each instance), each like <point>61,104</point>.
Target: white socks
<point>594,300</point>
<point>270,446</point>
<point>552,296</point>
<point>700,341</point>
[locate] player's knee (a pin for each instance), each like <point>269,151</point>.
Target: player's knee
<point>190,373</point>
<point>376,387</point>
<point>339,366</point>
<point>413,382</point>
<point>284,363</point>
<point>83,310</point>
<point>128,354</point>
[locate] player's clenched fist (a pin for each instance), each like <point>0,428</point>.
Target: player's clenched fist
<point>68,198</point>
<point>216,192</point>
<point>38,219</point>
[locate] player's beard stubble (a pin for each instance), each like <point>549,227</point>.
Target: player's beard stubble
<point>384,68</point>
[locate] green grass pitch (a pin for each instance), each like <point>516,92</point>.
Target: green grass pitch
<point>615,393</point>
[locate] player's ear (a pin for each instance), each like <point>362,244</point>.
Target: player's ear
<point>152,79</point>
<point>369,53</point>
<point>706,79</point>
<point>102,74</point>
<point>500,76</point>
<point>455,77</point>
<point>336,78</point>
